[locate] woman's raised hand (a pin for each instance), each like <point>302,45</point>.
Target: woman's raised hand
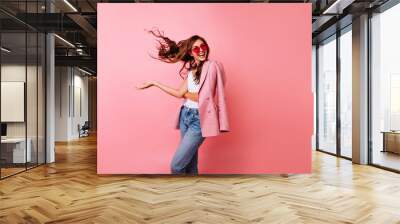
<point>146,85</point>
<point>171,91</point>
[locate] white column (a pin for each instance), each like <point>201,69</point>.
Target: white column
<point>360,90</point>
<point>50,93</point>
<point>50,110</point>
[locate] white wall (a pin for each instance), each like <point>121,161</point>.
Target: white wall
<point>62,81</point>
<point>80,84</point>
<point>9,73</point>
<point>15,72</point>
<point>71,93</point>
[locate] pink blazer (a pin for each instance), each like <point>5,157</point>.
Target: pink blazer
<point>212,104</point>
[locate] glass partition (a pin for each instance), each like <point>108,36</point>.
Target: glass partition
<point>32,95</point>
<point>14,153</point>
<point>22,63</point>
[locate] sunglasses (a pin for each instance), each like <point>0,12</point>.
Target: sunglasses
<point>196,49</point>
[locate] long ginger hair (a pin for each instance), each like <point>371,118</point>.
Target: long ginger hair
<point>171,52</point>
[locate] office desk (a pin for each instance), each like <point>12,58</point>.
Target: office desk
<point>391,141</point>
<point>13,150</point>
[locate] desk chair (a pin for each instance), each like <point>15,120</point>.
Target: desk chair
<point>84,130</point>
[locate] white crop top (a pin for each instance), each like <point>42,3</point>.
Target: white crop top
<point>192,88</point>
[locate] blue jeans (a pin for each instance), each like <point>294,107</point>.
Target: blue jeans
<point>186,156</point>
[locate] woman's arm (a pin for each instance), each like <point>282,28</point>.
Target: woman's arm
<point>179,93</point>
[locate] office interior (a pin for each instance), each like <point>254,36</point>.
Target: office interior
<point>49,74</point>
<point>48,83</point>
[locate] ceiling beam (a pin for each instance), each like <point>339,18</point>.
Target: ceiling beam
<point>337,7</point>
<point>86,26</point>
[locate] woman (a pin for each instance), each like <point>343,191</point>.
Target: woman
<point>203,113</point>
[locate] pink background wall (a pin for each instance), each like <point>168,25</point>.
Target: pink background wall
<point>266,52</point>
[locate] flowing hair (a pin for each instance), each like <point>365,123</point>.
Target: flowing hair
<point>171,52</point>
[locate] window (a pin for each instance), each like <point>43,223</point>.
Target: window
<point>385,88</point>
<point>346,93</point>
<point>327,95</point>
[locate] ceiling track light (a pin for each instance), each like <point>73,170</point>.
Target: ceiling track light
<point>64,40</point>
<point>84,71</point>
<point>70,5</point>
<point>5,50</point>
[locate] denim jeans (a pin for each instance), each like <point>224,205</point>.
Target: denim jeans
<point>186,156</point>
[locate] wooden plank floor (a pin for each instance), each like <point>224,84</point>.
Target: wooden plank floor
<point>69,191</point>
